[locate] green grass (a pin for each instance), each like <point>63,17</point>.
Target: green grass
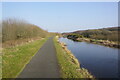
<point>15,59</point>
<point>68,69</point>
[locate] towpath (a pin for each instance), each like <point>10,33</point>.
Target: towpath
<point>44,64</point>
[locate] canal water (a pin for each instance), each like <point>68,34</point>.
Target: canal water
<point>100,61</point>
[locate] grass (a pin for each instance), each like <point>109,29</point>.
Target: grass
<point>68,69</point>
<point>15,59</point>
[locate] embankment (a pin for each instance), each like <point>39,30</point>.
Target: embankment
<point>16,32</point>
<point>100,42</point>
<point>69,65</point>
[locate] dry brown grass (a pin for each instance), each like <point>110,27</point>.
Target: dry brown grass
<point>13,43</point>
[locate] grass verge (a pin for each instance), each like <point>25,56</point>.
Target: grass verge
<point>69,67</point>
<point>15,59</point>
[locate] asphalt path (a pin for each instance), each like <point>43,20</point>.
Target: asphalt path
<point>44,64</point>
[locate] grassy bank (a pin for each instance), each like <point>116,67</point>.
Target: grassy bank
<point>15,59</point>
<point>18,31</point>
<point>69,65</point>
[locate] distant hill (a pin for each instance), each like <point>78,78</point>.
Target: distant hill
<point>110,33</point>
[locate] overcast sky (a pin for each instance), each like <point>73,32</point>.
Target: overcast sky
<point>64,16</point>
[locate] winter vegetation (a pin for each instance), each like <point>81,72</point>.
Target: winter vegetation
<point>16,31</point>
